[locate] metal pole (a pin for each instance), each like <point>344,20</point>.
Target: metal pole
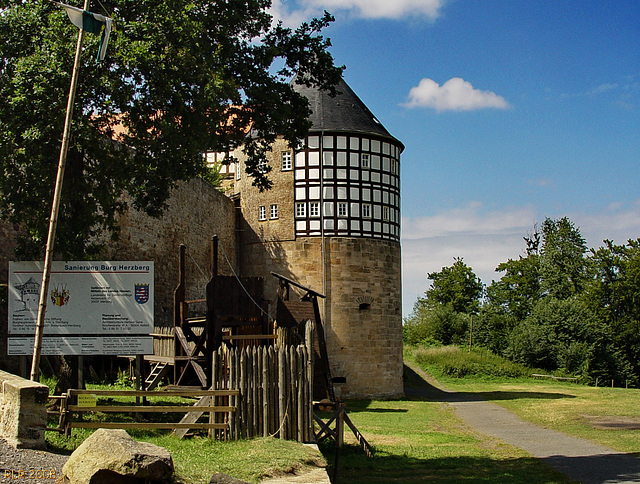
<point>53,220</point>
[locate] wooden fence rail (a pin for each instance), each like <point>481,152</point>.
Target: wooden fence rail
<point>71,409</point>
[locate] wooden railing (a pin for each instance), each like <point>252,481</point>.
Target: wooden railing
<point>75,403</point>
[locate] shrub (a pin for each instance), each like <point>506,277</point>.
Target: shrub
<point>441,324</point>
<point>453,362</point>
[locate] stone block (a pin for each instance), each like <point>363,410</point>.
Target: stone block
<point>24,412</point>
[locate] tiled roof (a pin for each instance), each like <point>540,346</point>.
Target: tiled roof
<point>343,113</point>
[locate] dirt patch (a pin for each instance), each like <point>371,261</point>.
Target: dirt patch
<point>613,422</point>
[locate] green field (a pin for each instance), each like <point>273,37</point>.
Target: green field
<point>418,438</point>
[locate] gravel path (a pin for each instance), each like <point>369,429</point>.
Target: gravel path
<point>29,466</point>
<point>578,458</point>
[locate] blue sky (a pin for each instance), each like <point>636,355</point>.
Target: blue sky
<point>510,110</point>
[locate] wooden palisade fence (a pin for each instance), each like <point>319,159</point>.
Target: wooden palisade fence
<point>275,386</point>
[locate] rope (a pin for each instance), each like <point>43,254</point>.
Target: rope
<point>199,268</point>
<point>242,285</point>
<point>284,418</point>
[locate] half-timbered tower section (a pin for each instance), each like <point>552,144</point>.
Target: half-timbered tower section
<point>332,222</point>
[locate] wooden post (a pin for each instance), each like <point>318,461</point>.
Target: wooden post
<point>339,439</point>
<point>300,397</point>
<point>265,392</point>
<point>53,219</point>
<point>281,392</point>
<point>214,256</point>
<point>178,299</point>
<point>81,372</point>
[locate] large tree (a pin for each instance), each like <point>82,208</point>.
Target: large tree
<point>614,293</point>
<point>519,288</point>
<point>457,286</point>
<point>563,266</point>
<point>181,77</point>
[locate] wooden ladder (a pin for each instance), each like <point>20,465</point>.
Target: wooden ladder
<point>157,372</point>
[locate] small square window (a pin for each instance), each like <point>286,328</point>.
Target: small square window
<point>314,209</point>
<point>262,212</point>
<point>287,164</point>
<point>342,209</point>
<point>301,209</point>
<point>273,211</point>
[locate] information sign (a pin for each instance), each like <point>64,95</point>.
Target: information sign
<point>98,298</point>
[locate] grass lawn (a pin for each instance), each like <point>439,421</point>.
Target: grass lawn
<point>416,440</point>
<point>608,416</point>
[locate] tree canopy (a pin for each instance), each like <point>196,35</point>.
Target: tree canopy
<point>456,285</point>
<point>557,307</point>
<point>180,78</point>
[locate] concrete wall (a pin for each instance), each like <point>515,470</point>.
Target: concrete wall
<point>23,412</point>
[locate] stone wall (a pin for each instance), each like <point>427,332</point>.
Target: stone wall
<point>8,234</point>
<point>23,412</point>
<point>361,279</point>
<point>281,194</point>
<point>195,213</point>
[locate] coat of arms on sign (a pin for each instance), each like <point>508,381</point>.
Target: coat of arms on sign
<point>141,293</point>
<point>60,295</point>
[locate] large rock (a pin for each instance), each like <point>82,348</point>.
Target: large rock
<point>113,457</point>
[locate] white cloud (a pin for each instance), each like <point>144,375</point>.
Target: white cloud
<point>484,239</point>
<point>454,95</point>
<point>293,13</point>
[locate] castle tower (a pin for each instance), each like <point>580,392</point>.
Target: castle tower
<point>332,222</point>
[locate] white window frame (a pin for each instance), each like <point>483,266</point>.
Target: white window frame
<point>365,160</point>
<point>314,209</point>
<point>301,209</point>
<point>262,213</point>
<point>273,211</point>
<point>287,161</point>
<point>342,209</point>
<point>366,210</point>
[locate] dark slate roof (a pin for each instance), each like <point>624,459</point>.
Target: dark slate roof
<point>343,113</point>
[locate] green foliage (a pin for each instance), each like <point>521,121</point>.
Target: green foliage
<point>456,286</point>
<point>180,78</point>
<point>443,316</point>
<point>124,379</point>
<point>563,268</point>
<point>565,335</point>
<point>491,329</point>
<point>213,175</point>
<point>453,362</point>
<point>614,293</point>
<point>554,307</point>
<point>440,324</point>
<point>519,288</point>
